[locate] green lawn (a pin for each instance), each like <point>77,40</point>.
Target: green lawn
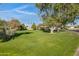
<point>38,43</point>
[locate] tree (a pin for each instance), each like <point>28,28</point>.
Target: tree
<point>34,26</point>
<point>2,22</point>
<point>56,15</point>
<point>14,23</point>
<point>4,30</point>
<point>23,27</point>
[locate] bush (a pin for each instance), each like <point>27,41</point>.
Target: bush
<point>33,26</point>
<point>23,27</point>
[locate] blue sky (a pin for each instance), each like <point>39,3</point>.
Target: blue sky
<point>26,13</point>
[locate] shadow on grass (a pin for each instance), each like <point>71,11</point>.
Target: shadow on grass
<point>19,34</point>
<point>6,38</point>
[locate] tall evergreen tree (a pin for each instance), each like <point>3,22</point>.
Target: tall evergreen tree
<point>33,26</point>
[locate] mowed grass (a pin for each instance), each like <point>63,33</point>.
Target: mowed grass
<point>38,43</point>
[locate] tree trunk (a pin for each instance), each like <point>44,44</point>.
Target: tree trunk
<point>52,29</point>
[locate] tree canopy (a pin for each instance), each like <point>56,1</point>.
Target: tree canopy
<point>34,26</point>
<point>14,23</point>
<point>62,13</point>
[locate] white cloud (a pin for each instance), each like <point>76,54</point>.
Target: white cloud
<point>19,10</point>
<point>4,11</point>
<point>26,12</point>
<point>21,7</point>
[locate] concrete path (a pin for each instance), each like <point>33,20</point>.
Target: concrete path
<point>76,52</point>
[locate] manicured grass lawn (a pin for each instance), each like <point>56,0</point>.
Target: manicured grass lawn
<point>38,43</point>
